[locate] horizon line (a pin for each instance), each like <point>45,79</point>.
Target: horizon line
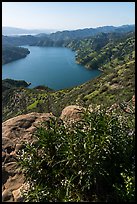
<point>72,29</point>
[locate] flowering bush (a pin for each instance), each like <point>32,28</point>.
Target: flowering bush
<point>94,161</point>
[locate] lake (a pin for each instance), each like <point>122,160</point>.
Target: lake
<point>54,67</point>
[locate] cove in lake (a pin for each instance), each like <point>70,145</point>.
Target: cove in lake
<point>54,67</point>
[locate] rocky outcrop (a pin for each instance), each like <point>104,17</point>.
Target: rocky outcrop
<point>14,132</point>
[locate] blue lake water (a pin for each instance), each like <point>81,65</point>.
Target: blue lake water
<point>54,67</point>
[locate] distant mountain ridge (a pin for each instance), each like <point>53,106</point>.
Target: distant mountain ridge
<point>88,32</point>
<point>20,31</point>
<point>61,38</point>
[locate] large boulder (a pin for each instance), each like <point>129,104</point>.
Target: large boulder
<point>72,114</point>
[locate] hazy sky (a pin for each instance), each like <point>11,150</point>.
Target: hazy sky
<point>66,15</point>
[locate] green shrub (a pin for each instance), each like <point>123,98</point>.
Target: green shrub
<point>91,95</point>
<point>33,105</point>
<point>93,161</point>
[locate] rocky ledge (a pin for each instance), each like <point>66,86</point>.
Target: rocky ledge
<point>14,132</point>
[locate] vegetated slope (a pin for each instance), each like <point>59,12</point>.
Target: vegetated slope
<point>115,85</point>
<point>11,53</point>
<point>104,51</point>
